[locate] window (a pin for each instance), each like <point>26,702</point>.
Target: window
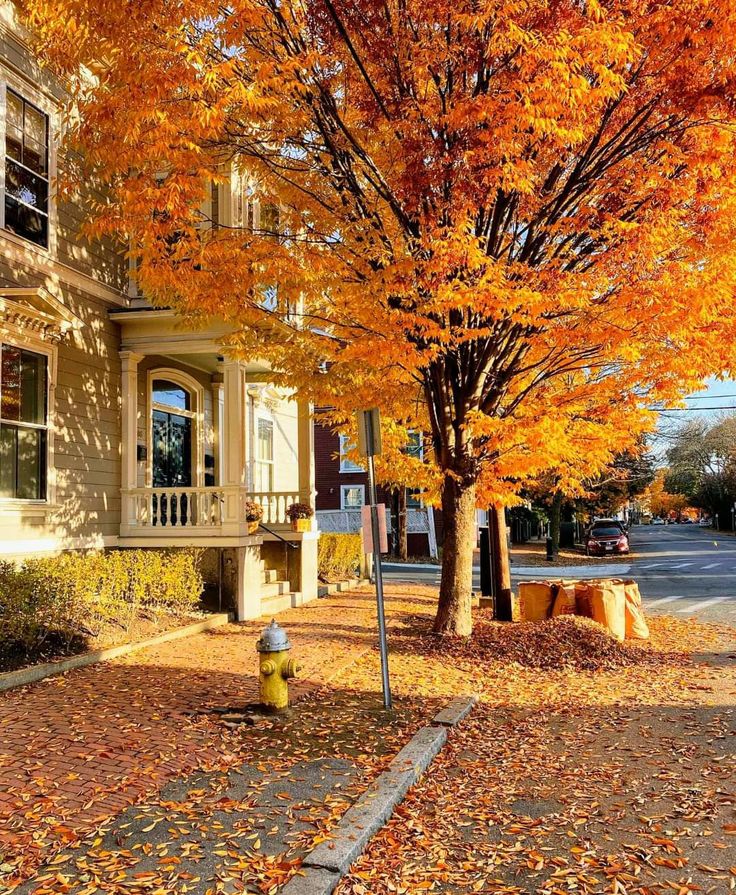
<point>415,446</point>
<point>270,223</point>
<point>414,498</point>
<point>23,423</point>
<point>171,394</point>
<point>26,170</point>
<point>243,207</point>
<point>352,497</point>
<point>264,455</point>
<point>346,464</point>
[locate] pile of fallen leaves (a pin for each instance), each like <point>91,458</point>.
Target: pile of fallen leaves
<point>565,642</point>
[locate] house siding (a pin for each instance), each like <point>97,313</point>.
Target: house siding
<point>87,278</point>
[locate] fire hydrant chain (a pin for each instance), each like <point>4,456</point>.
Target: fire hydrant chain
<point>275,668</point>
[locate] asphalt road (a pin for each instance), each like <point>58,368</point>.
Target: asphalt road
<point>681,569</point>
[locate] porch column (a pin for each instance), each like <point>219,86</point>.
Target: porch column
<point>233,445</point>
<point>305,452</point>
<point>218,416</point>
<point>129,434</point>
<point>233,427</point>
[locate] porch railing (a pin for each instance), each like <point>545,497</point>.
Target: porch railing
<point>177,509</point>
<point>274,504</point>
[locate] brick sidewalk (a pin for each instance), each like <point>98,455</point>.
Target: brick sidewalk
<point>77,749</point>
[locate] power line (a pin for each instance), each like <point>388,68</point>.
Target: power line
<point>694,409</point>
<point>707,397</point>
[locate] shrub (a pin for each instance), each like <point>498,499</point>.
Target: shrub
<point>339,556</point>
<point>71,596</point>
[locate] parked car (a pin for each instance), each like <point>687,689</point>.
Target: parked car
<point>606,537</point>
<point>657,521</point>
<point>705,523</point>
<point>606,521</point>
<point>687,521</point>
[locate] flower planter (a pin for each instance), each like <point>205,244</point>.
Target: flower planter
<point>301,524</point>
<point>253,526</point>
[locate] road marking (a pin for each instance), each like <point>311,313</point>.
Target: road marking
<point>659,602</point>
<point>682,565</point>
<point>697,606</point>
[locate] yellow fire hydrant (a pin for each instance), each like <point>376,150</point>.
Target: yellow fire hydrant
<point>275,668</point>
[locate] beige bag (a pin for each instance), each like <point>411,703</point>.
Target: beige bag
<point>608,606</point>
<point>565,602</point>
<point>636,624</point>
<point>535,599</point>
<point>582,599</point>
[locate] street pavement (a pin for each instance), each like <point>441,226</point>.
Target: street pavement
<point>682,570</point>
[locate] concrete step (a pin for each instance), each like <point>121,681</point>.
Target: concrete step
<point>274,589</point>
<point>268,576</point>
<point>273,605</point>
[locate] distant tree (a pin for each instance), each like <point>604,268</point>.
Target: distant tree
<point>702,464</point>
<point>630,474</point>
<point>659,500</point>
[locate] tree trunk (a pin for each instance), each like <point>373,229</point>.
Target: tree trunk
<point>501,564</point>
<point>555,518</point>
<point>401,527</point>
<point>456,584</point>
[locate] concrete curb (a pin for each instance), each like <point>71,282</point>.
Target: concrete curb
<point>35,673</point>
<point>454,712</point>
<point>324,590</point>
<point>325,865</point>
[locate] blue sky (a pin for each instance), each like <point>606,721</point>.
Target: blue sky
<point>709,403</point>
<point>718,394</point>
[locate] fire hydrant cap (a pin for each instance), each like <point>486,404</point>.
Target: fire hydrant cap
<point>273,639</point>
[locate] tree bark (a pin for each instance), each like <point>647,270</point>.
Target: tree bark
<point>456,583</point>
<point>401,526</point>
<point>555,518</point>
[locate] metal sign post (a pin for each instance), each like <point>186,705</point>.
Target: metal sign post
<point>369,444</point>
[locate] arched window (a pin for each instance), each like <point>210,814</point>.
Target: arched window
<point>171,395</point>
<point>174,442</point>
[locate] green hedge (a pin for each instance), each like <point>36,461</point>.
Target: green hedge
<point>339,556</point>
<point>71,596</point>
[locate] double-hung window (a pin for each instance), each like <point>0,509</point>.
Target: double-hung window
<point>264,455</point>
<point>26,170</point>
<point>346,464</point>
<point>23,423</point>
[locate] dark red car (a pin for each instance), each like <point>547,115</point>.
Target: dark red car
<point>604,540</point>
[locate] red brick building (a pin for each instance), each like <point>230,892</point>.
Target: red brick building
<point>342,489</point>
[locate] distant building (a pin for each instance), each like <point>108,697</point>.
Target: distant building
<point>342,489</point>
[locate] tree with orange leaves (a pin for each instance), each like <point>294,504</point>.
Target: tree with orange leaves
<point>508,223</point>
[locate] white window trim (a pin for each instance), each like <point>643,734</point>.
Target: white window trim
<point>196,390</point>
<point>9,79</point>
<point>344,488</point>
<point>20,339</point>
<point>347,465</point>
